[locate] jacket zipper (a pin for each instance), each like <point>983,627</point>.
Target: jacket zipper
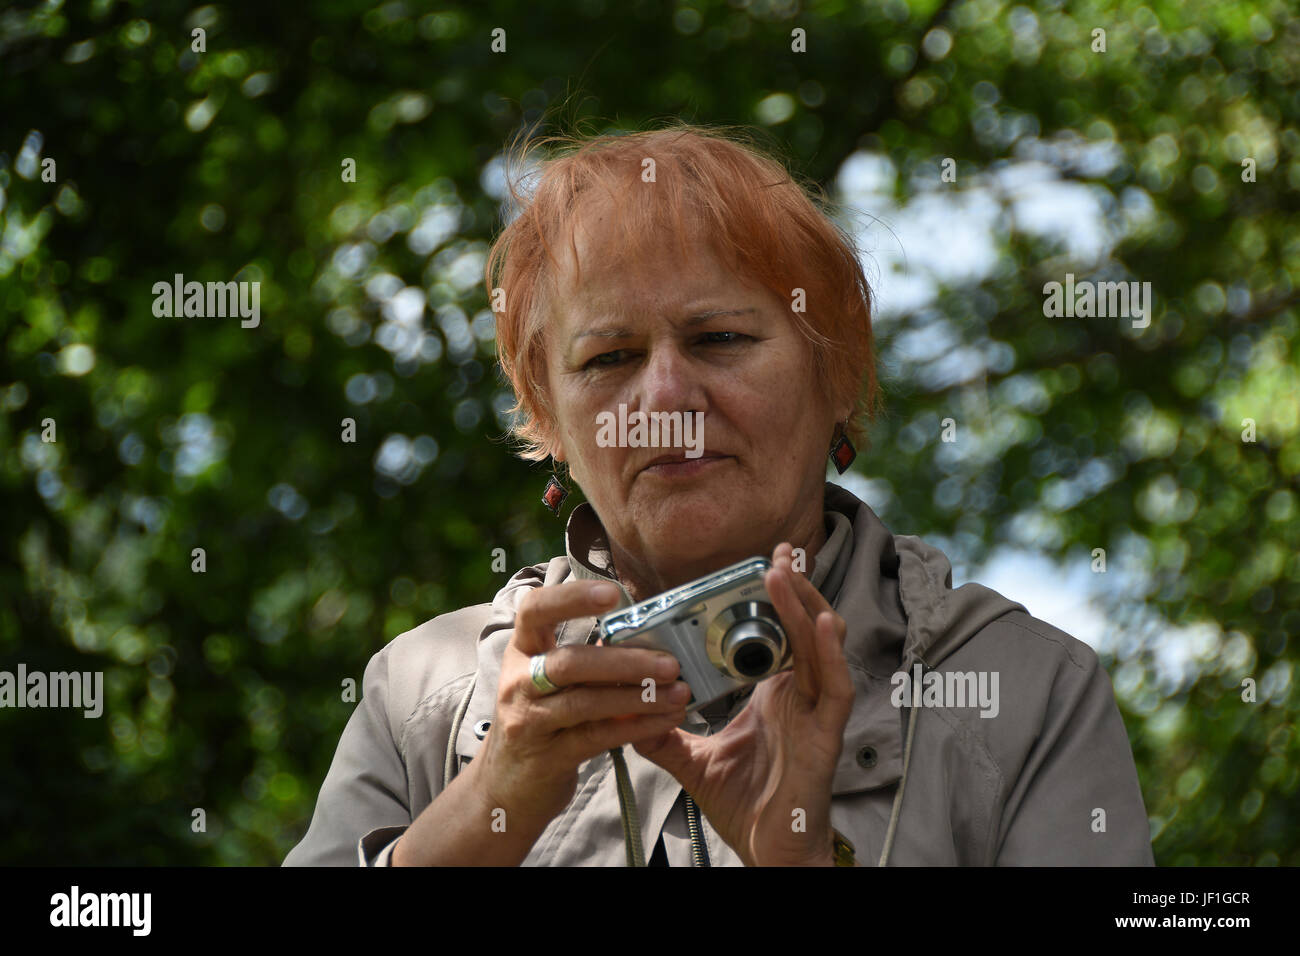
<point>699,850</point>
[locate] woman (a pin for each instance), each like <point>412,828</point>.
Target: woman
<point>681,271</point>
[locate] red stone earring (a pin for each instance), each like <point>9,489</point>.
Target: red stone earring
<point>554,495</point>
<point>842,451</point>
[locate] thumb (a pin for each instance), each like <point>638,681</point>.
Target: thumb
<point>671,751</point>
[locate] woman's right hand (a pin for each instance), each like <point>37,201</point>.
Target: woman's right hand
<point>528,763</point>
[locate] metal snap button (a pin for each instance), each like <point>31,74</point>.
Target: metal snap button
<point>482,727</point>
<point>867,758</point>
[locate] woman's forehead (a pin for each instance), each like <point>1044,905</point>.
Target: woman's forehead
<point>626,236</point>
<point>609,268</point>
<point>663,286</point>
<point>619,279</point>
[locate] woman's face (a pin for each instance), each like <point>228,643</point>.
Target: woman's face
<point>686,336</point>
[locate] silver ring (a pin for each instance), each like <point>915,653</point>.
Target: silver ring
<point>540,680</point>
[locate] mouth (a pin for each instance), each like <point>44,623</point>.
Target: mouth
<point>679,466</point>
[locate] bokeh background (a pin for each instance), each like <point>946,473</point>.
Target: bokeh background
<point>224,688</point>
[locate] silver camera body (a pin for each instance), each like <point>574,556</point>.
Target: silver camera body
<point>722,629</point>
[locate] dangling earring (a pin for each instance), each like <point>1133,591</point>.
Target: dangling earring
<point>842,451</point>
<point>554,495</point>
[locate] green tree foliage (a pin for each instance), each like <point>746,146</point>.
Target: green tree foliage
<point>227,159</point>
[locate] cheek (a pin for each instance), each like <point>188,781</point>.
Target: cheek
<point>772,408</point>
<point>588,461</point>
<point>571,414</point>
<point>786,368</point>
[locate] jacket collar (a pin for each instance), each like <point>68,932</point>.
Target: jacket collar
<point>587,549</point>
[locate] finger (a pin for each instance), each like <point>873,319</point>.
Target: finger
<point>792,616</point>
<point>541,610</point>
<point>809,596</point>
<point>581,705</point>
<point>797,583</point>
<point>674,751</point>
<point>583,664</point>
<point>593,738</point>
<point>836,699</point>
<point>815,603</point>
<point>798,628</point>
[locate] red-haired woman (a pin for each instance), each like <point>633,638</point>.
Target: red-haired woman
<point>683,272</point>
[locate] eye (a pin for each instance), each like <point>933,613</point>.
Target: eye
<point>734,337</point>
<point>606,359</point>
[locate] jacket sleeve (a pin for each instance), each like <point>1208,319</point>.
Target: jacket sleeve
<point>1076,801</point>
<point>363,807</point>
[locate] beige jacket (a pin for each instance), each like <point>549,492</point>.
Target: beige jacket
<point>1049,780</point>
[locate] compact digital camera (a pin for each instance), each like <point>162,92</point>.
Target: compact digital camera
<point>722,629</point>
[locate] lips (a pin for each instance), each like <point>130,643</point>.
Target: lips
<point>680,458</point>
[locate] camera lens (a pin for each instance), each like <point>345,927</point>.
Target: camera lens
<point>745,641</point>
<point>752,648</point>
<point>753,659</point>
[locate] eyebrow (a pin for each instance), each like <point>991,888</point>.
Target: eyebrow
<point>698,318</point>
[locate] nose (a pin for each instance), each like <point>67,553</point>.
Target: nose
<point>670,382</point>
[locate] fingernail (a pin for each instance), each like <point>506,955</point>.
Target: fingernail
<point>604,592</point>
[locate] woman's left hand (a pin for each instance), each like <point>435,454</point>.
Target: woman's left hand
<point>764,781</point>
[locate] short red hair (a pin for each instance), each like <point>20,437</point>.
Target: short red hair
<point>713,182</point>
